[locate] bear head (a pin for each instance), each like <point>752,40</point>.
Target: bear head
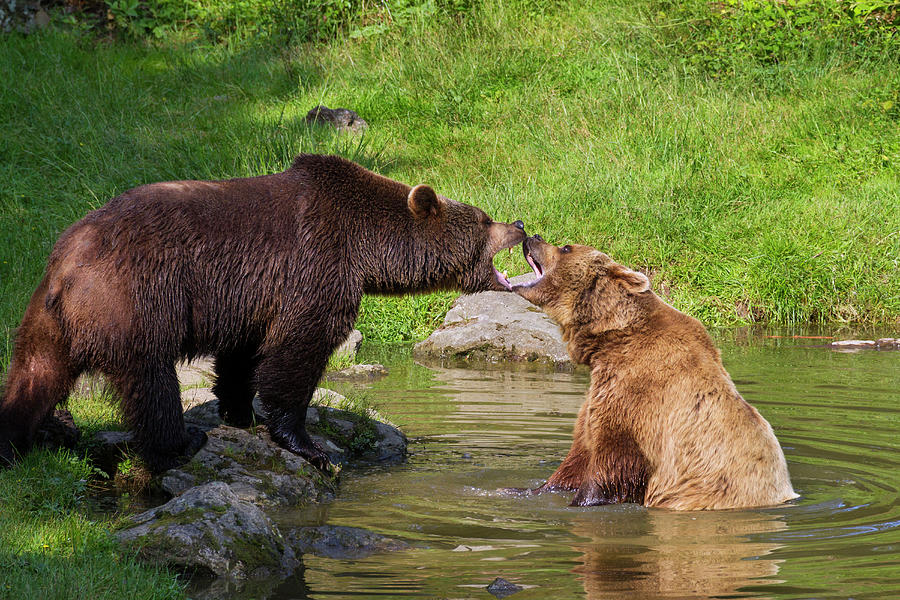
<point>456,245</point>
<point>583,289</point>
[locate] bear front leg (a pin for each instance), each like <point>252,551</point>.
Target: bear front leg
<point>151,402</point>
<point>286,381</point>
<point>616,472</point>
<point>574,468</point>
<point>235,387</point>
<point>571,472</point>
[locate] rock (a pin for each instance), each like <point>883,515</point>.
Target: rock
<point>211,530</point>
<point>58,430</point>
<point>348,349</point>
<point>342,119</point>
<point>356,437</point>
<point>494,327</point>
<point>346,436</point>
<point>256,469</point>
<point>109,448</point>
<point>501,588</point>
<point>201,408</point>
<point>23,16</point>
<point>251,459</point>
<point>215,524</point>
<point>196,373</point>
<point>390,444</point>
<point>853,344</point>
<point>359,373</point>
<point>330,541</point>
<point>879,344</point>
<point>888,343</point>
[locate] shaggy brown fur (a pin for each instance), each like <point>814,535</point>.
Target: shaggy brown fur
<point>663,424</point>
<point>265,273</point>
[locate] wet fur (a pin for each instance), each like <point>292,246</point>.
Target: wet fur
<point>264,273</point>
<point>663,425</point>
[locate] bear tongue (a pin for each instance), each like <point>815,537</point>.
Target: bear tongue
<point>502,279</point>
<point>535,265</point>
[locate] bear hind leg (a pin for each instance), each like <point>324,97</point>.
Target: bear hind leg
<point>617,472</point>
<point>40,376</point>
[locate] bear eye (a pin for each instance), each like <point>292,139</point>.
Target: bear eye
<point>566,249</point>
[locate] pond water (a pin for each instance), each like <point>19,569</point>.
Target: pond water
<point>474,430</point>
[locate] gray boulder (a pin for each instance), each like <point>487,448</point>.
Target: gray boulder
<point>501,588</point>
<point>349,437</point>
<point>23,16</point>
<point>211,530</point>
<point>496,327</point>
<point>255,469</point>
<point>348,349</point>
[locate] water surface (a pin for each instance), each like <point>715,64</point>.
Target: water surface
<point>475,430</point>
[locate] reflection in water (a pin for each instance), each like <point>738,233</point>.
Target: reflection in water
<point>667,554</point>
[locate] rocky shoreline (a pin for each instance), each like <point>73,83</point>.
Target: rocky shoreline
<point>219,522</point>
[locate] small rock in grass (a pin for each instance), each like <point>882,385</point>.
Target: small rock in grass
<point>342,119</point>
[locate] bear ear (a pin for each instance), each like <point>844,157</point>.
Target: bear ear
<point>634,281</point>
<point>423,202</point>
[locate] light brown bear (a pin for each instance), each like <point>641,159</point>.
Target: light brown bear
<point>663,424</point>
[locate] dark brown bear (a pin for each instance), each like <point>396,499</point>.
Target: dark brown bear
<point>265,274</point>
<point>663,424</point>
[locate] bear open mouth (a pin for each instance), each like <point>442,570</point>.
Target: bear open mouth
<point>533,262</point>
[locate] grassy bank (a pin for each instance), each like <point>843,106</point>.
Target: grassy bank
<point>758,186</point>
<point>52,545</point>
<point>766,192</point>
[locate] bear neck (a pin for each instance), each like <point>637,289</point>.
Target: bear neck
<point>587,347</point>
<point>401,262</point>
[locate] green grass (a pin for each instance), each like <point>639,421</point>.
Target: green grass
<point>50,549</point>
<point>763,194</point>
<point>752,187</point>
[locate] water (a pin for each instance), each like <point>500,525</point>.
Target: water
<point>477,430</point>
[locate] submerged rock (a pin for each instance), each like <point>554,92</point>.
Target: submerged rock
<point>501,588</point>
<point>359,373</point>
<point>330,541</point>
<point>494,327</point>
<point>210,530</point>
